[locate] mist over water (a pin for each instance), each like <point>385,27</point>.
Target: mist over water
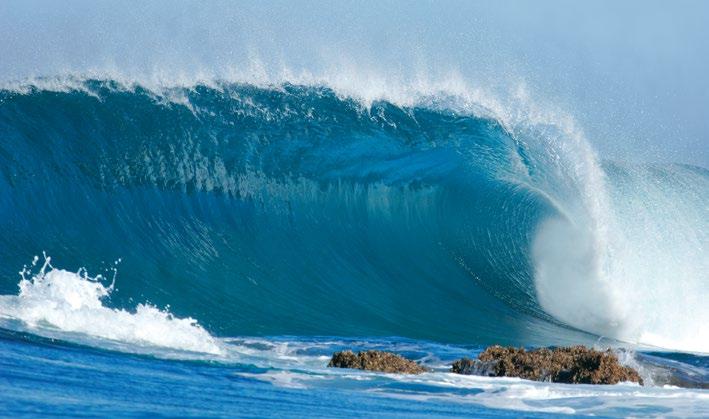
<point>631,74</point>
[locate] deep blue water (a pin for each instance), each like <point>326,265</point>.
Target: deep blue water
<point>120,384</point>
<point>233,226</point>
<point>46,377</point>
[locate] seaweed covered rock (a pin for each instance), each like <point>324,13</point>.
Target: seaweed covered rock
<point>467,366</point>
<point>574,365</point>
<point>375,361</point>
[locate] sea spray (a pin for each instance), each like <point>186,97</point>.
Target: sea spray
<point>55,300</point>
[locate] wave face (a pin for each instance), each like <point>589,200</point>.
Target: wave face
<point>292,209</point>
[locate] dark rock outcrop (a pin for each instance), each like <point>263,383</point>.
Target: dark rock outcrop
<point>575,365</point>
<point>375,361</point>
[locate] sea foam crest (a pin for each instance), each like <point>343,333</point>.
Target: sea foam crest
<point>70,305</point>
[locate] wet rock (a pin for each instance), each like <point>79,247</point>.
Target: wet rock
<point>375,361</point>
<point>665,369</point>
<point>574,365</point>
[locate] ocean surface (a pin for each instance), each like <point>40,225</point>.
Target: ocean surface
<point>201,250</point>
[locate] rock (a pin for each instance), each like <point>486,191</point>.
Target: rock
<point>574,365</point>
<point>375,361</point>
<point>467,366</point>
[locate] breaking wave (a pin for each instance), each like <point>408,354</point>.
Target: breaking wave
<point>302,209</point>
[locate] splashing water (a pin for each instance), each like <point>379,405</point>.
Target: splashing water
<point>55,300</point>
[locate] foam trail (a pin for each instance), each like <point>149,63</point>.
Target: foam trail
<point>58,302</point>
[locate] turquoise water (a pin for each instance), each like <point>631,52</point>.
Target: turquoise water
<point>206,248</point>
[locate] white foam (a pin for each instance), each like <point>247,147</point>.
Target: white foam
<point>505,393</point>
<point>69,305</point>
<point>641,279</point>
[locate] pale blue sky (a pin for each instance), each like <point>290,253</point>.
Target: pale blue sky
<point>634,74</point>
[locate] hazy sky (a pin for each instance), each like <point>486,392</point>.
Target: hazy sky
<point>634,74</point>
